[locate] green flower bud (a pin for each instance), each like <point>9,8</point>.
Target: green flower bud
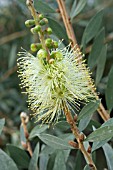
<point>49,30</point>
<point>41,16</point>
<point>57,55</point>
<point>41,54</point>
<point>35,47</point>
<point>44,21</point>
<point>29,23</point>
<point>49,43</point>
<point>39,46</point>
<point>55,44</point>
<point>37,28</point>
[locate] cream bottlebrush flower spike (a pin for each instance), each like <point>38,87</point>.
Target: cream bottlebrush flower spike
<point>52,85</point>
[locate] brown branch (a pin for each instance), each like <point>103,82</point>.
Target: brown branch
<point>71,35</point>
<point>79,137</point>
<point>24,120</point>
<point>13,36</point>
<point>67,23</point>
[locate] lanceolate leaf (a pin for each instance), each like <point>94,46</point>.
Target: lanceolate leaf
<point>101,64</point>
<point>6,163</point>
<point>102,133</point>
<point>37,130</point>
<point>78,161</point>
<point>108,150</point>
<point>77,9</point>
<point>73,9</point>
<point>62,125</point>
<point>54,141</point>
<point>108,123</point>
<point>96,49</point>
<point>2,122</point>
<point>109,90</point>
<point>84,122</point>
<point>58,30</point>
<point>20,157</point>
<point>43,7</point>
<point>92,28</point>
<point>22,135</point>
<point>59,161</point>
<point>89,109</point>
<point>99,144</point>
<point>34,159</point>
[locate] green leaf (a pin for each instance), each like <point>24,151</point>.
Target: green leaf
<point>19,156</point>
<point>43,162</point>
<point>34,159</point>
<point>6,163</point>
<point>89,109</point>
<point>96,49</point>
<point>62,125</point>
<point>92,28</point>
<point>73,9</point>
<point>59,161</point>
<point>51,161</point>
<point>78,161</point>
<point>58,30</point>
<point>97,145</point>
<point>84,122</point>
<point>54,141</point>
<point>43,7</point>
<point>108,123</point>
<point>2,122</point>
<point>101,64</point>
<point>86,167</point>
<point>101,134</point>
<point>77,9</point>
<point>93,123</point>
<point>66,154</point>
<point>108,150</point>
<point>22,135</point>
<point>37,130</point>
<point>47,150</point>
<point>109,90</point>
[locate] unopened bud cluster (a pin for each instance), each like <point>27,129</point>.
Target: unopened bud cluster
<point>40,27</point>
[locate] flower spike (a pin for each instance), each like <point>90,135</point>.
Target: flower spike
<point>51,85</point>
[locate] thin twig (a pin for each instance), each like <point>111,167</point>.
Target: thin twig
<point>24,120</point>
<point>11,37</point>
<point>79,137</point>
<point>71,35</point>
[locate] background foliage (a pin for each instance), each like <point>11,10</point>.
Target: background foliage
<point>92,21</point>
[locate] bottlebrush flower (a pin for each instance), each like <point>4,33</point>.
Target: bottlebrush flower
<point>52,85</point>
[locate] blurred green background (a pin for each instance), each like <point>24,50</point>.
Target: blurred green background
<point>14,35</point>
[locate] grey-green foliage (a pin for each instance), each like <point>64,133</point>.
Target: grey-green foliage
<point>51,150</point>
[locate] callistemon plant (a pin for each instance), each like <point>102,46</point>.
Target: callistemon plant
<point>53,79</point>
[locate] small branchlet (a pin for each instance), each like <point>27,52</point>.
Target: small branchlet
<point>74,144</point>
<point>24,120</point>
